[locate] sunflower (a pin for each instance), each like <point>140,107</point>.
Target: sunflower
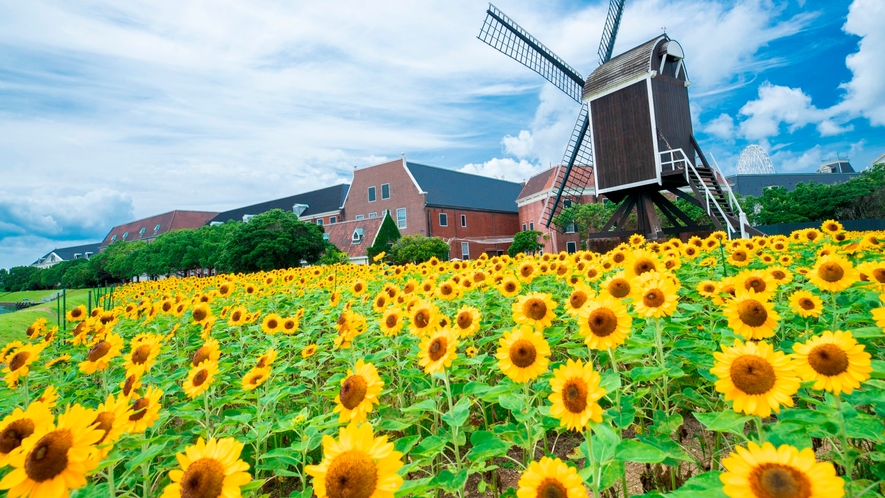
<point>806,304</point>
<point>750,315</point>
<point>145,411</point>
<point>576,392</point>
<point>111,417</point>
<point>437,351</point>
<point>201,313</point>
<point>523,354</point>
<point>290,325</point>
<point>423,318</point>
<point>833,273</point>
<point>470,351</point>
<point>391,323</point>
<point>467,321</point>
<point>448,290</point>
<point>655,295</point>
<point>209,470</point>
<point>756,377</point>
<point>18,361</point>
<point>358,287</point>
<point>359,392</point>
<point>101,354</point>
<point>707,288</point>
<point>143,351</point>
<point>604,323</point>
<point>879,317</point>
<point>580,295</point>
<point>48,398</point>
<point>834,360</point>
<point>210,350</point>
<point>309,351</point>
<point>255,378</point>
<point>130,385</point>
<point>9,350</point>
<point>238,316</point>
<point>199,378</point>
<point>267,358</point>
<point>77,314</point>
<point>780,275</point>
<point>874,273</point>
<point>357,465</point>
<point>20,424</point>
<point>618,286</point>
<point>534,309</point>
<point>56,458</point>
<point>550,477</point>
<point>784,472</point>
<point>508,286</point>
<point>641,261</point>
<point>759,281</point>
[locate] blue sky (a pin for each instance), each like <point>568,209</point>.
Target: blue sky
<point>113,111</point>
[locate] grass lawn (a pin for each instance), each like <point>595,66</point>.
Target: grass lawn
<point>15,297</point>
<point>13,325</point>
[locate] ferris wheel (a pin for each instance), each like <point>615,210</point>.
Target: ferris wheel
<point>754,161</point>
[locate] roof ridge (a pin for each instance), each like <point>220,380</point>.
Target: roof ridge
<point>460,172</point>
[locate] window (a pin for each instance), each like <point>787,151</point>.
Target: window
<point>531,225</point>
<point>125,234</point>
<point>359,217</point>
<point>333,219</point>
<point>113,238</point>
<point>326,237</point>
<point>571,228</point>
<point>157,228</point>
<point>523,227</point>
<point>357,236</point>
<point>567,203</point>
<point>78,255</point>
<point>465,250</point>
<point>443,220</point>
<point>401,218</point>
<point>247,217</point>
<point>464,221</point>
<point>373,215</point>
<point>320,221</point>
<point>141,232</point>
<point>385,191</point>
<point>88,255</point>
<point>371,194</point>
<point>571,247</point>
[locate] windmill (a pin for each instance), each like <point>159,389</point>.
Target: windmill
<point>633,137</point>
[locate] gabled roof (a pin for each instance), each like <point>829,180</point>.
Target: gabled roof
<point>552,178</point>
<point>538,183</point>
<point>625,67</point>
<point>318,201</point>
<point>157,225</point>
<point>880,159</point>
<point>341,234</point>
<point>447,188</point>
<point>67,253</point>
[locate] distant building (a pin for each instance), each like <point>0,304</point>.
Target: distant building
<point>830,172</point>
<point>835,165</point>
<point>879,160</point>
<point>473,214</point>
<point>147,229</point>
<point>322,207</point>
<point>354,237</point>
<point>58,255</point>
<point>539,191</point>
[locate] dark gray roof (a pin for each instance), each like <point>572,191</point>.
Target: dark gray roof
<point>67,253</point>
<point>318,201</point>
<point>629,65</point>
<point>453,189</point>
<point>755,184</point>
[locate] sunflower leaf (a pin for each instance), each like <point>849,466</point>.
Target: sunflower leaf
<point>726,421</point>
<point>457,416</point>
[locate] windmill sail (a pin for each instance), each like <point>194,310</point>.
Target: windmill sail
<point>501,33</point>
<point>610,30</point>
<point>576,172</point>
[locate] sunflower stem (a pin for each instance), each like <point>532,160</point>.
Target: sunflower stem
<point>112,488</point>
<point>454,428</point>
<point>659,345</point>
<point>25,392</point>
<point>847,459</point>
<point>206,410</point>
<point>758,420</point>
<point>530,443</point>
<point>588,435</point>
<point>835,314</point>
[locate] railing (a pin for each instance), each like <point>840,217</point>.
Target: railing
<point>673,157</point>
<point>735,205</point>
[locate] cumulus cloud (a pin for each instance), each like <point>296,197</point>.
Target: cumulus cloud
<point>722,127</point>
<point>786,161</point>
<point>58,215</point>
<point>776,105</point>
<point>504,169</point>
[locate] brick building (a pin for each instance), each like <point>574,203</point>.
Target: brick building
<point>60,254</point>
<point>354,237</point>
<point>321,206</point>
<point>532,203</point>
<point>147,229</point>
<point>473,214</point>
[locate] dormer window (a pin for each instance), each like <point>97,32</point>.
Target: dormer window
<point>326,237</point>
<point>247,217</point>
<point>141,232</point>
<point>78,255</point>
<point>125,234</point>
<point>88,255</point>
<point>357,236</point>
<point>157,228</point>
<point>114,238</point>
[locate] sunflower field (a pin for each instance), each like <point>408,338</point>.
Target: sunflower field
<point>712,367</point>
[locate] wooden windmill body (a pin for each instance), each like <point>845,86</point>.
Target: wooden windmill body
<point>633,138</point>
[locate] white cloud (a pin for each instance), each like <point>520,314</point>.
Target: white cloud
<point>865,92</point>
<point>785,161</point>
<point>520,146</point>
<point>722,127</point>
<point>504,169</point>
<point>59,214</point>
<point>776,105</point>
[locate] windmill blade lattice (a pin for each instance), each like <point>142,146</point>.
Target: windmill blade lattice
<point>504,35</point>
<point>576,172</point>
<point>610,30</point>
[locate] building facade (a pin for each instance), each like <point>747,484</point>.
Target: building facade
<point>58,255</point>
<point>148,229</point>
<point>323,206</point>
<point>540,191</point>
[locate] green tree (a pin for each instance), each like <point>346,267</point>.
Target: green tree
<point>388,234</point>
<point>526,242</point>
<point>4,279</point>
<point>332,255</point>
<point>121,260</point>
<point>586,218</point>
<point>418,249</point>
<point>21,278</point>
<point>271,240</point>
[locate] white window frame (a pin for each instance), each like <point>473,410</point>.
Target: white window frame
<point>114,238</point>
<point>465,254</point>
<point>523,227</point>
<point>373,215</point>
<point>571,228</point>
<point>401,222</point>
<point>531,225</point>
<point>463,221</point>
<point>382,191</point>
<point>371,194</point>
<point>441,215</point>
<point>333,219</point>
<point>125,234</point>
<point>141,232</point>
<point>320,221</point>
<point>157,228</point>
<point>359,217</point>
<point>571,247</point>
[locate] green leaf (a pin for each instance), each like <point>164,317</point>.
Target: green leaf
<point>605,441</point>
<point>726,421</point>
<point>452,482</point>
<point>630,450</point>
<point>146,455</point>
<point>457,416</point>
<point>863,426</point>
<point>428,405</point>
<point>512,402</point>
<point>646,373</point>
<point>430,445</point>
<point>415,487</point>
<point>392,424</point>
<point>667,424</point>
<point>485,445</point>
<point>867,333</point>
<point>405,444</point>
<point>788,433</point>
<point>707,485</point>
<point>878,369</point>
<point>627,414</point>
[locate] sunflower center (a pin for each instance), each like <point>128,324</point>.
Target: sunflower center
<point>358,288</point>
<point>653,298</point>
<point>535,309</point>
<point>778,275</point>
<point>272,323</point>
<point>391,321</point>
<point>523,353</point>
<point>574,395</point>
<point>76,312</point>
<point>774,480</point>
<point>465,320</point>
<point>510,286</point>
<point>200,355</point>
<point>203,479</point>
<point>643,265</point>
<point>709,288</point>
<point>18,360</point>
<point>199,314</point>
<point>602,322</point>
<point>619,257</point>
<point>98,351</point>
<point>380,302</point>
<point>739,256</point>
<point>49,457</point>
<point>127,386</point>
<point>446,289</point>
<point>139,409</point>
<point>351,474</point>
<point>11,437</point>
<point>141,353</point>
<point>236,315</point>
<point>526,270</point>
<point>806,304</point>
<point>353,391</point>
<point>755,283</point>
<point>551,488</point>
<point>104,422</point>
<point>577,299</point>
<point>619,288</point>
<point>752,312</point>
<point>200,377</point>
<point>831,272</point>
<point>422,318</point>
<point>437,348</point>
<point>828,359</point>
<point>879,275</point>
<point>752,374</point>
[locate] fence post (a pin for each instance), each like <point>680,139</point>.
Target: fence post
<point>57,309</point>
<point>89,302</point>
<point>64,308</point>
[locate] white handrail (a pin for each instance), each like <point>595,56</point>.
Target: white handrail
<point>735,205</point>
<point>707,194</point>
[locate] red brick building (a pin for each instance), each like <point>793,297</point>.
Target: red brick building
<point>147,229</point>
<point>473,214</point>
<point>532,203</point>
<point>354,237</point>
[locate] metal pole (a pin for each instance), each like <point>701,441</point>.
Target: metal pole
<point>64,308</point>
<point>57,310</point>
<point>89,302</point>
